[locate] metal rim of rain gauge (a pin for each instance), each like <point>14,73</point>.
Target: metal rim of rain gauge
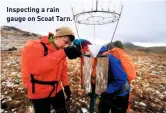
<point>96,17</point>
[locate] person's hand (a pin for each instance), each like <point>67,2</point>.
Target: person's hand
<point>104,94</point>
<point>68,92</point>
<point>72,52</point>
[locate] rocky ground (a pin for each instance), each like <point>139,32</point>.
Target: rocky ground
<point>148,90</point>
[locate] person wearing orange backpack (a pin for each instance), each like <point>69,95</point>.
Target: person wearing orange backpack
<point>44,69</point>
<point>117,50</point>
<point>127,64</point>
<point>116,95</point>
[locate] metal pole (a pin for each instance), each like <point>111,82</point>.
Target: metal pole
<point>96,5</point>
<point>75,22</point>
<point>94,33</point>
<point>76,29</point>
<point>117,24</point>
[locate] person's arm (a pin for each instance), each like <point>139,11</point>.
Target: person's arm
<point>65,82</point>
<point>37,63</point>
<point>64,77</point>
<point>120,77</point>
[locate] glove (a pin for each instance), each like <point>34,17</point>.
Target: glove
<point>68,92</point>
<point>104,95</point>
<point>72,52</point>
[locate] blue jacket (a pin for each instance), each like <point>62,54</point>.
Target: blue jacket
<point>119,75</point>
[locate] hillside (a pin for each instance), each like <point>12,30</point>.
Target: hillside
<point>159,50</point>
<point>5,30</point>
<point>130,45</point>
<point>14,37</point>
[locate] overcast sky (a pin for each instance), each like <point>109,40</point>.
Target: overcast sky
<point>142,22</point>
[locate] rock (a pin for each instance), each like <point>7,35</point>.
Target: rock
<point>142,104</point>
<point>164,93</point>
<point>13,73</point>
<point>84,110</point>
<point>29,109</point>
<point>1,110</point>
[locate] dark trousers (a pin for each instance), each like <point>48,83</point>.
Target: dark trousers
<point>43,105</point>
<point>117,104</point>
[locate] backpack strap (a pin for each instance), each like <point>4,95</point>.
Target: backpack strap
<point>45,48</point>
<point>123,89</point>
<point>52,83</point>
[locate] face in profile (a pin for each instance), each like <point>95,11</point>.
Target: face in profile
<point>86,50</point>
<point>62,41</point>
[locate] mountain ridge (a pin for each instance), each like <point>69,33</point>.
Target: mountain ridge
<point>11,34</point>
<point>12,37</point>
<point>154,49</point>
<point>15,31</point>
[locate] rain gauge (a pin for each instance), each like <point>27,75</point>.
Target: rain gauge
<point>94,67</point>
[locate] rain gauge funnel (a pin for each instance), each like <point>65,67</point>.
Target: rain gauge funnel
<point>99,65</point>
<point>94,49</point>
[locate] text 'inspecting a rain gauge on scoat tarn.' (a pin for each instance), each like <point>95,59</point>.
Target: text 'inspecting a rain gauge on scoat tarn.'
<point>54,11</point>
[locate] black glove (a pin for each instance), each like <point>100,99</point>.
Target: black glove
<point>68,92</point>
<point>104,94</point>
<point>72,52</point>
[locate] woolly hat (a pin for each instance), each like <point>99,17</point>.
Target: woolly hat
<point>65,31</point>
<point>83,42</point>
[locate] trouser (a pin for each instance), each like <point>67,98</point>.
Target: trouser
<point>57,102</point>
<point>117,104</point>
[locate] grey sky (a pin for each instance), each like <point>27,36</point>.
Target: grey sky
<point>142,22</point>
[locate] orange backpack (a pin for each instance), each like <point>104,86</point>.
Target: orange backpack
<point>126,61</point>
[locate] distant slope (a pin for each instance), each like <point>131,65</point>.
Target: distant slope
<point>14,37</point>
<point>130,45</point>
<point>6,30</point>
<point>159,50</point>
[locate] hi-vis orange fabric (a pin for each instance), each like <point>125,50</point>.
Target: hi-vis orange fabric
<point>45,68</point>
<point>126,61</point>
<point>127,65</point>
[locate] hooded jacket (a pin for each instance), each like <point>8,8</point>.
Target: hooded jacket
<point>52,67</point>
<point>117,76</point>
